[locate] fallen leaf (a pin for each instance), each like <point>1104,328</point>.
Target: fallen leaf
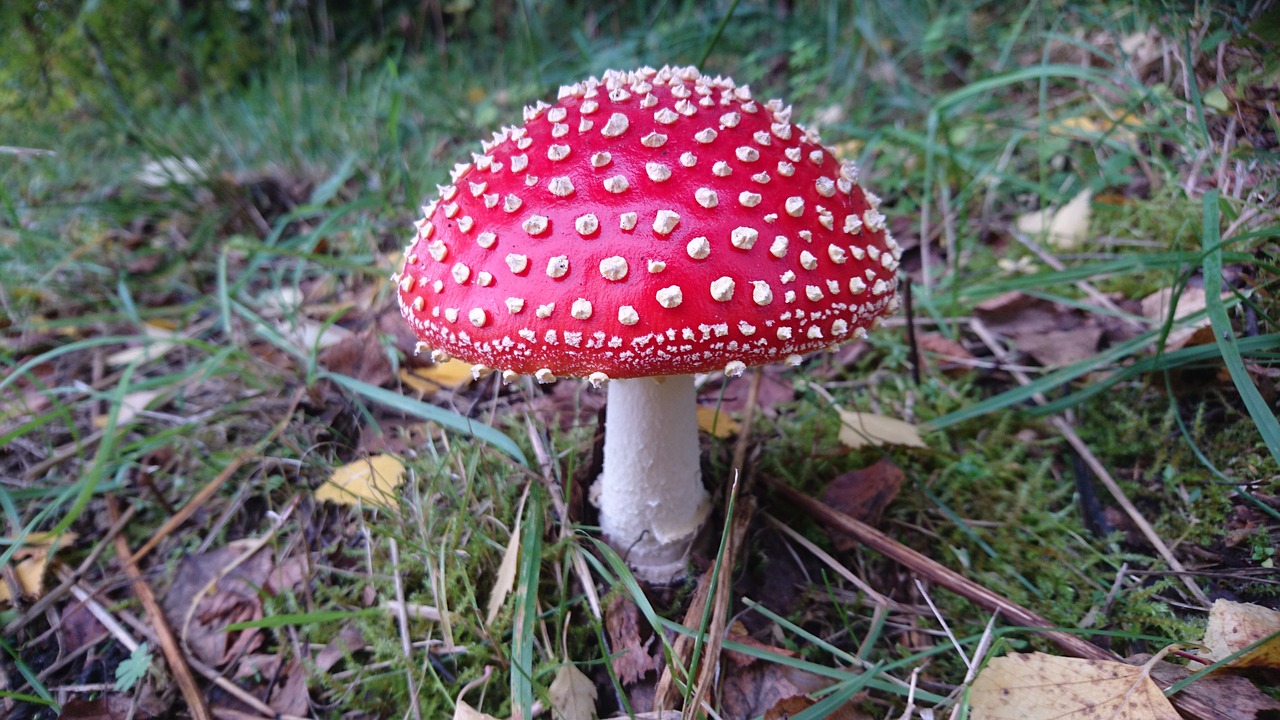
<point>1064,229</point>
<point>31,562</point>
<point>306,334</point>
<point>372,480</point>
<point>130,405</point>
<point>1220,690</point>
<point>863,494</point>
<point>632,658</point>
<point>762,686</point>
<point>859,430</point>
<point>159,342</point>
<point>573,695</point>
<point>1053,334</point>
<point>1036,686</point>
<point>463,711</point>
<point>1234,626</point>
<point>716,424</point>
<point>505,581</point>
<point>360,356</point>
<point>1156,306</point>
<point>949,356</point>
<point>450,374</point>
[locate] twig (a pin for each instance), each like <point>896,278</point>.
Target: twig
<point>209,490</point>
<point>164,635</point>
<point>1099,470</point>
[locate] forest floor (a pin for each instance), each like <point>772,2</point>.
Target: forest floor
<point>1063,452</point>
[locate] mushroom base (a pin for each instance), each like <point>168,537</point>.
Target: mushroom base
<point>650,494</point>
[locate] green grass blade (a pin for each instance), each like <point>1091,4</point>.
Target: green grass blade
<point>1263,417</point>
<point>526,615</point>
<point>440,416</point>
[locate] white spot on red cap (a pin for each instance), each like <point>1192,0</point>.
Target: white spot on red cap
<point>722,289</point>
<point>511,203</point>
<point>665,221</point>
<point>857,286</point>
<point>730,120</point>
<point>656,266</point>
<point>779,247</point>
<point>515,305</point>
<point>706,197</point>
<point>616,126</point>
<point>614,268</point>
<point>688,159</point>
<point>627,315</point>
<point>747,153</point>
<point>807,260</point>
<point>627,220</point>
<point>460,272</point>
<point>761,293</point>
<point>837,254</point>
<point>517,263</point>
<point>744,237</point>
<point>560,186</point>
<point>535,225</point>
<point>657,172</point>
<point>586,224</point>
<point>748,199</point>
<point>477,317</point>
<point>558,266</point>
<point>721,169</point>
<point>670,297</point>
<point>556,153</point>
<point>705,136</point>
<point>616,184</point>
<point>600,159</point>
<point>698,248</point>
<point>544,311</point>
<point>581,309</point>
<point>654,140</point>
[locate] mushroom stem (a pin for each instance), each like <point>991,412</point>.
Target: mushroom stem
<point>651,497</point>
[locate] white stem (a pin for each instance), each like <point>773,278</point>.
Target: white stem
<point>650,494</point>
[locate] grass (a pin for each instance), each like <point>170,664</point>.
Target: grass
<point>255,282</point>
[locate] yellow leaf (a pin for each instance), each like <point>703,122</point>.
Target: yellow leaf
<point>858,430</point>
<point>505,582</point>
<point>372,481</point>
<point>130,405</point>
<point>1064,229</point>
<point>716,423</point>
<point>451,374</point>
<point>1036,686</point>
<point>32,562</point>
<point>1234,626</point>
<point>161,342</point>
<point>573,695</point>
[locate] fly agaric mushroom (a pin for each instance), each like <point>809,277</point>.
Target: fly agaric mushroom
<point>650,224</point>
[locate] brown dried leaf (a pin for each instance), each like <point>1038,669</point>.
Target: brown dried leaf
<point>505,581</point>
<point>360,356</point>
<point>948,355</point>
<point>1036,686</point>
<point>1156,306</point>
<point>760,687</point>
<point>632,658</point>
<point>863,494</point>
<point>1220,690</point>
<point>1235,626</point>
<point>1051,333</point>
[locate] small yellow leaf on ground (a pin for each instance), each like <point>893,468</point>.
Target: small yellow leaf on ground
<point>1064,229</point>
<point>1235,626</point>
<point>32,561</point>
<point>450,374</point>
<point>1036,686</point>
<point>130,405</point>
<point>371,481</point>
<point>715,423</point>
<point>1155,307</point>
<point>161,341</point>
<point>573,695</point>
<point>505,582</point>
<point>859,430</point>
<point>463,711</point>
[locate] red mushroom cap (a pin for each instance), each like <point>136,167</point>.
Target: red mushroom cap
<point>654,222</point>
